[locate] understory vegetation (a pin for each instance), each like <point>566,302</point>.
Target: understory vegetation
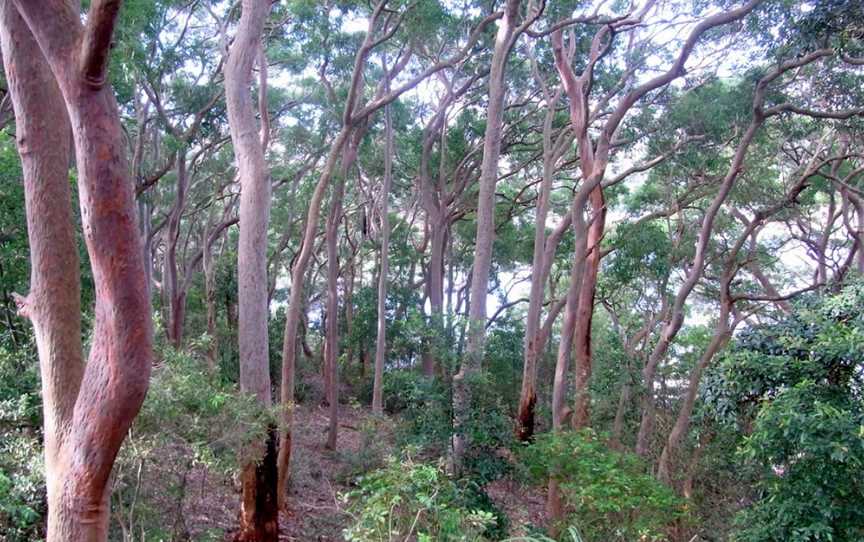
<point>432,271</point>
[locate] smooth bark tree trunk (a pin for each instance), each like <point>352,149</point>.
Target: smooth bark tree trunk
<point>584,314</point>
<point>116,377</point>
<point>722,334</point>
<point>533,345</point>
<point>210,301</point>
<point>176,293</point>
<point>473,358</point>
<point>383,269</point>
<point>331,355</point>
<point>54,302</point>
<point>293,315</point>
<point>258,504</point>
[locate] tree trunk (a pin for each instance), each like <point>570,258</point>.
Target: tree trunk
<point>585,312</point>
<point>381,340</point>
<point>54,302</point>
<point>331,356</point>
<point>293,316</point>
<point>210,301</point>
<point>533,344</point>
<point>722,334</point>
<point>115,379</point>
<point>176,292</point>
<point>471,362</point>
<point>258,506</point>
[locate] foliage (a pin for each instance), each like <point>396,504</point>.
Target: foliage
<point>798,386</point>
<point>608,494</point>
<point>190,420</point>
<point>408,498</point>
<point>22,486</point>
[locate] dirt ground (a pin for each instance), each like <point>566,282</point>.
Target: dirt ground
<point>320,477</point>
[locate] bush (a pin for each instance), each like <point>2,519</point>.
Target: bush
<point>608,495</point>
<point>22,477</point>
<point>407,499</point>
<point>798,385</point>
<point>190,420</point>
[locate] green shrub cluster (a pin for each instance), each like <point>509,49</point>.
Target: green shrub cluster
<point>408,500</point>
<point>22,484</point>
<point>608,495</point>
<point>191,420</point>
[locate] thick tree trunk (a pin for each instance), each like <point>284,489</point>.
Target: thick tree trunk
<point>54,302</point>
<point>383,269</point>
<point>116,376</point>
<point>585,312</point>
<point>258,506</point>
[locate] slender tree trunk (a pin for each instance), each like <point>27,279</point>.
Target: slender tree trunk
<point>258,506</point>
<point>331,357</point>
<point>722,334</point>
<point>115,378</point>
<point>533,344</point>
<point>437,242</point>
<point>381,340</point>
<point>210,301</point>
<point>176,292</point>
<point>472,361</point>
<point>676,316</point>
<point>293,316</point>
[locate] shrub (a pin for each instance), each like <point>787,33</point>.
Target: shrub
<point>190,420</point>
<point>407,499</point>
<point>608,495</point>
<point>798,385</point>
<point>22,483</point>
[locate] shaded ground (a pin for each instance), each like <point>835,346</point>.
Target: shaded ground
<point>320,477</point>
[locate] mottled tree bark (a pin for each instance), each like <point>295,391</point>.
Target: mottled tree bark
<point>383,268</point>
<point>258,505</point>
<point>115,379</point>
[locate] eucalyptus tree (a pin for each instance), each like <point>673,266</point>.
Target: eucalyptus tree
<point>383,24</point>
<point>259,517</point>
<point>97,402</point>
<point>759,114</point>
<point>513,24</point>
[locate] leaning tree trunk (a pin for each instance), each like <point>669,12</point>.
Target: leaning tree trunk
<point>115,379</point>
<point>258,506</point>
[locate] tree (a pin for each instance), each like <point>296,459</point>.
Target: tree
<point>259,513</point>
<point>509,31</point>
<point>91,412</point>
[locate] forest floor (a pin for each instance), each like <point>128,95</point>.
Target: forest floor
<point>320,477</point>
